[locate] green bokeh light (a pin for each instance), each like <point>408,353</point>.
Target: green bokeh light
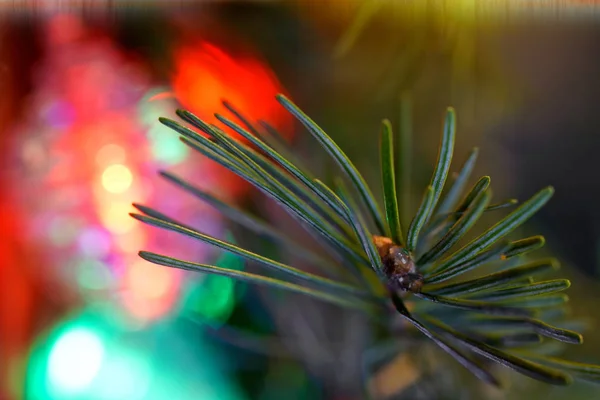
<point>166,147</point>
<point>65,361</point>
<point>214,299</point>
<point>83,359</point>
<point>92,357</point>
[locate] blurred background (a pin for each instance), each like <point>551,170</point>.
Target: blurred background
<point>81,88</point>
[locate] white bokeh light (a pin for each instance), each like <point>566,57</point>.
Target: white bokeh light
<point>75,360</point>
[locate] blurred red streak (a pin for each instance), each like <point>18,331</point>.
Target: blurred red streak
<point>18,292</point>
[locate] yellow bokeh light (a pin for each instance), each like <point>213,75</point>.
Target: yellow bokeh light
<point>115,216</point>
<point>117,178</point>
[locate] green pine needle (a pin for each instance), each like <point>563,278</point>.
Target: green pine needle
<point>501,229</point>
<point>258,279</point>
<point>392,212</point>
<point>497,279</point>
<point>466,221</point>
<point>528,368</point>
<point>458,186</point>
<point>339,156</point>
<point>169,224</point>
<point>444,159</point>
<point>420,218</point>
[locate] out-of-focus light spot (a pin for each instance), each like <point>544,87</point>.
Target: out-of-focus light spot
<point>214,298</point>
<point>154,104</point>
<point>149,290</point>
<point>144,310</point>
<point>115,216</point>
<point>205,75</point>
<point>166,147</point>
<point>110,154</point>
<point>94,242</point>
<point>149,280</point>
<point>117,178</point>
<point>94,275</point>
<point>124,375</point>
<point>75,359</point>
<point>129,364</point>
<point>221,295</point>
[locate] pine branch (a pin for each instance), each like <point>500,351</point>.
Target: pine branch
<point>491,315</point>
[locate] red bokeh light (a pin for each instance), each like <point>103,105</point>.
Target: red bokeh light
<point>204,75</point>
